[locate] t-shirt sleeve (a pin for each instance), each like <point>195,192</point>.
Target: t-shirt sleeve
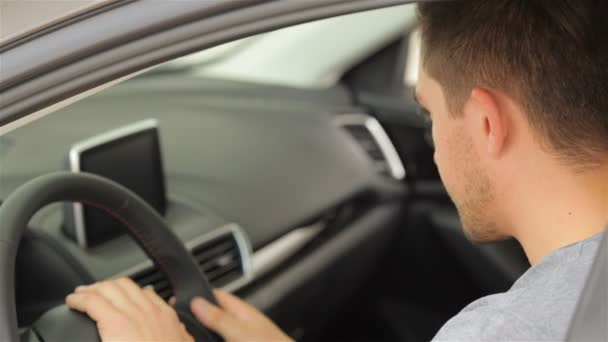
<point>487,324</point>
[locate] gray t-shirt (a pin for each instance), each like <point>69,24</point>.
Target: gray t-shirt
<point>538,307</point>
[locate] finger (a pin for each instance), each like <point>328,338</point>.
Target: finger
<point>81,288</point>
<point>235,306</point>
<point>94,305</point>
<point>161,308</point>
<point>135,293</point>
<point>172,301</point>
<point>113,293</point>
<point>215,318</point>
<point>153,297</point>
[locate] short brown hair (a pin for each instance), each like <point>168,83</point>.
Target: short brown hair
<point>551,56</point>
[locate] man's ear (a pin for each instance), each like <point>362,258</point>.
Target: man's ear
<point>487,121</point>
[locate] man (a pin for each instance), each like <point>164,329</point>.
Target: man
<point>517,91</point>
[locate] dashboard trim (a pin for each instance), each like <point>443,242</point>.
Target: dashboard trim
<point>255,265</point>
<point>275,253</point>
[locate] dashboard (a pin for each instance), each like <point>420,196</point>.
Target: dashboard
<point>272,189</point>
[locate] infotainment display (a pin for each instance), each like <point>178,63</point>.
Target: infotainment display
<point>130,156</point>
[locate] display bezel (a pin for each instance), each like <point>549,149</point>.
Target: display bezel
<point>75,157</point>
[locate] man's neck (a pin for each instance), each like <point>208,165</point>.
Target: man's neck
<point>559,209</point>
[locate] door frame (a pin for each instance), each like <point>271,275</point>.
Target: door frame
<point>95,48</point>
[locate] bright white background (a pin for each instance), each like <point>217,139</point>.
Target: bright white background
<point>19,15</point>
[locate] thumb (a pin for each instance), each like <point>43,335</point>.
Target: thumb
<point>236,307</point>
<point>215,318</point>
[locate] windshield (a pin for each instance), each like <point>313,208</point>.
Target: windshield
<point>325,50</point>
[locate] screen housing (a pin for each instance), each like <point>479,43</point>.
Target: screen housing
<point>75,222</point>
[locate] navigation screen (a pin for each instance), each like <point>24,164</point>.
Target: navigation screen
<point>133,161</point>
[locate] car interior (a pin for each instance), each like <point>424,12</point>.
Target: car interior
<point>293,165</point>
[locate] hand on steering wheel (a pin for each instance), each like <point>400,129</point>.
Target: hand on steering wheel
<point>125,312</point>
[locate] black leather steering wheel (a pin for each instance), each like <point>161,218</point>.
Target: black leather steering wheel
<point>141,221</point>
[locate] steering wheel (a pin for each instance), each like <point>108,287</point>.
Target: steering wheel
<point>142,223</point>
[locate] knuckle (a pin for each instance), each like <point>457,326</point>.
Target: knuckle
<point>121,280</point>
<point>173,313</point>
<point>87,297</point>
<point>168,312</point>
<point>101,286</point>
<point>172,317</point>
<point>91,288</point>
<point>156,311</point>
<point>103,283</point>
<point>150,291</point>
<point>116,322</point>
<point>214,317</point>
<point>125,281</point>
<point>110,283</point>
<point>94,300</point>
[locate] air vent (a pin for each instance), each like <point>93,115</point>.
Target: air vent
<point>372,138</point>
<point>222,259</point>
<point>366,140</point>
<point>153,277</point>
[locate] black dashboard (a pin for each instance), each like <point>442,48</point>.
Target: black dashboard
<point>258,162</point>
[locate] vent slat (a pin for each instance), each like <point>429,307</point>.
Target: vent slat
<point>212,245</point>
<point>366,140</point>
<point>211,254</point>
<point>222,271</point>
<point>219,259</point>
<point>150,277</point>
<point>228,278</point>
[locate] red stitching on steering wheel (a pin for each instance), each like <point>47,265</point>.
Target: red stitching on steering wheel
<point>139,236</point>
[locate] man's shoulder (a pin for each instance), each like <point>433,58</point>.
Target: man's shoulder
<point>484,321</point>
<point>499,317</point>
<point>539,306</point>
